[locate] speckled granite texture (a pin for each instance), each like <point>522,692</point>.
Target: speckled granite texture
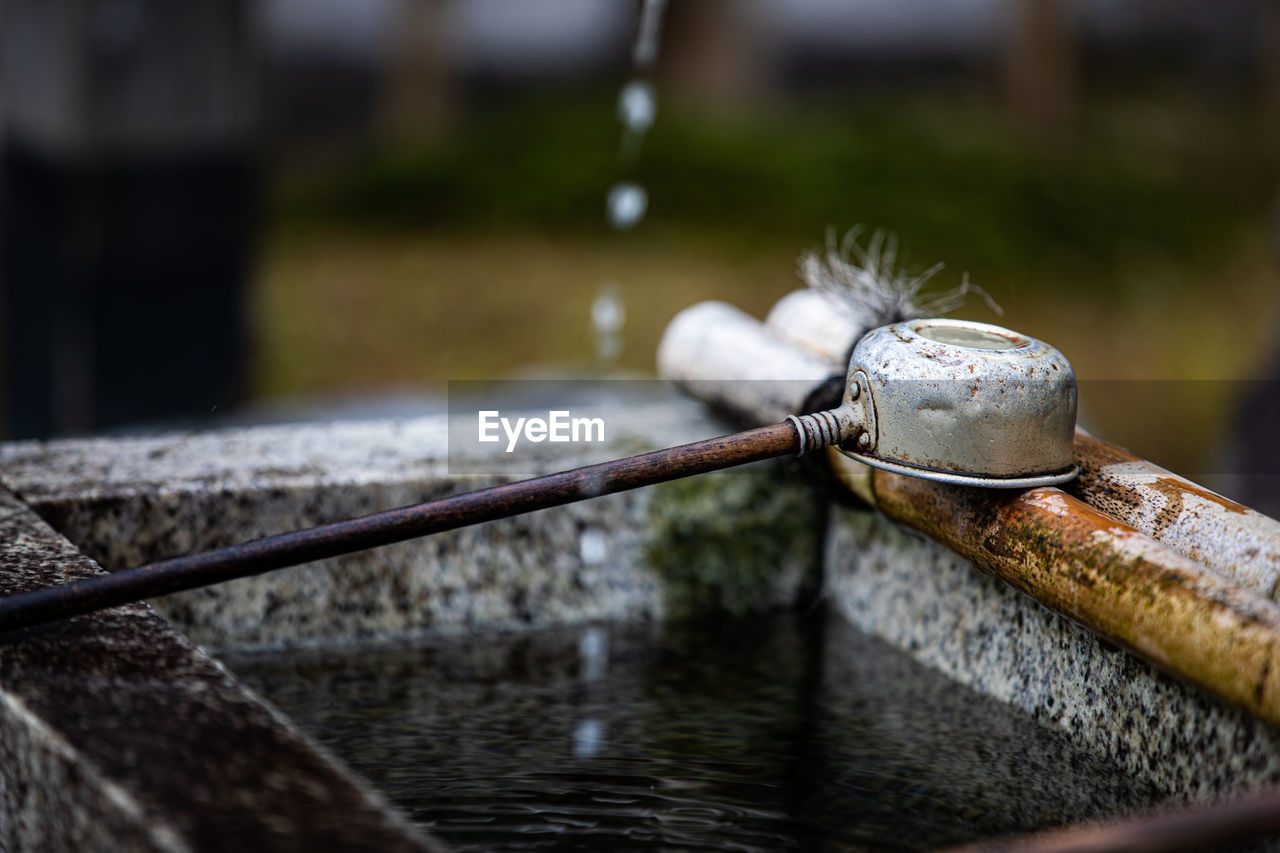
<point>928,601</point>
<point>129,501</point>
<point>116,733</point>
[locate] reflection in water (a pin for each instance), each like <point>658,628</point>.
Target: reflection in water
<point>593,654</point>
<point>586,739</point>
<point>761,734</point>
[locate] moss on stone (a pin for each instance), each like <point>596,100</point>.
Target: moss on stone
<point>734,541</point>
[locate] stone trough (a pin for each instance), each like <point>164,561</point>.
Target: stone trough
<point>122,730</point>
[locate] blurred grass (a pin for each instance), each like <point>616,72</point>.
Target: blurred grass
<point>340,310</point>
<point>1136,240</point>
<point>1167,177</point>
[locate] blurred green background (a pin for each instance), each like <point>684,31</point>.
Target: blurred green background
<point>1136,238</point>
<point>1111,237</point>
<point>433,181</point>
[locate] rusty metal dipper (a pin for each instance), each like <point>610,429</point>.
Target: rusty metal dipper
<point>962,402</point>
<point>940,399</point>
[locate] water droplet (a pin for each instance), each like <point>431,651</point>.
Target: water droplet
<point>608,348</point>
<point>608,312</point>
<point>608,315</point>
<point>637,106</point>
<point>645,52</point>
<point>626,205</point>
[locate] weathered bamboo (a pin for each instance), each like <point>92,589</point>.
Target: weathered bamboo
<point>812,320</point>
<point>1108,577</point>
<point>1233,540</point>
<point>702,350</point>
<point>1096,570</point>
<point>1238,542</point>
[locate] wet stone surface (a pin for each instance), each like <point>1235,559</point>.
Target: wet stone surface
<point>640,556</point>
<point>973,628</point>
<point>784,732</point>
<point>129,501</point>
<point>117,733</point>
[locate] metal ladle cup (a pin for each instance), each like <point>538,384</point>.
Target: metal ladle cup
<point>958,402</point>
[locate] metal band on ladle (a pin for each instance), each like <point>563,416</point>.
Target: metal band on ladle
<point>823,429</point>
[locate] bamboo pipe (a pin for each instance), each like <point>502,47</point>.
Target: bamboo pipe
<point>1237,542</point>
<point>1096,570</point>
<point>1234,540</point>
<point>1110,578</point>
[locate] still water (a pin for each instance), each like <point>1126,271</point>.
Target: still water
<point>791,732</point>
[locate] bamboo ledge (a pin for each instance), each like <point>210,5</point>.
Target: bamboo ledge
<point>1237,542</point>
<point>1143,558</point>
<point>1102,574</point>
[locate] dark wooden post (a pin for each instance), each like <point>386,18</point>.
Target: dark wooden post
<point>128,173</point>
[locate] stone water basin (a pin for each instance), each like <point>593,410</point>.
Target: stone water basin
<point>789,731</point>
<point>448,676</point>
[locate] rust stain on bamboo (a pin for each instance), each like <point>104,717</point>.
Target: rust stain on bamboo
<point>1108,577</point>
<point>1171,486</point>
<point>1229,538</point>
<point>1094,456</point>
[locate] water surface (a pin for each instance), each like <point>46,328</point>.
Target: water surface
<point>770,733</point>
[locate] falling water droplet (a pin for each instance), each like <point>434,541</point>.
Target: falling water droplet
<point>645,52</point>
<point>625,205</point>
<point>608,316</point>
<point>637,106</point>
<point>608,313</point>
